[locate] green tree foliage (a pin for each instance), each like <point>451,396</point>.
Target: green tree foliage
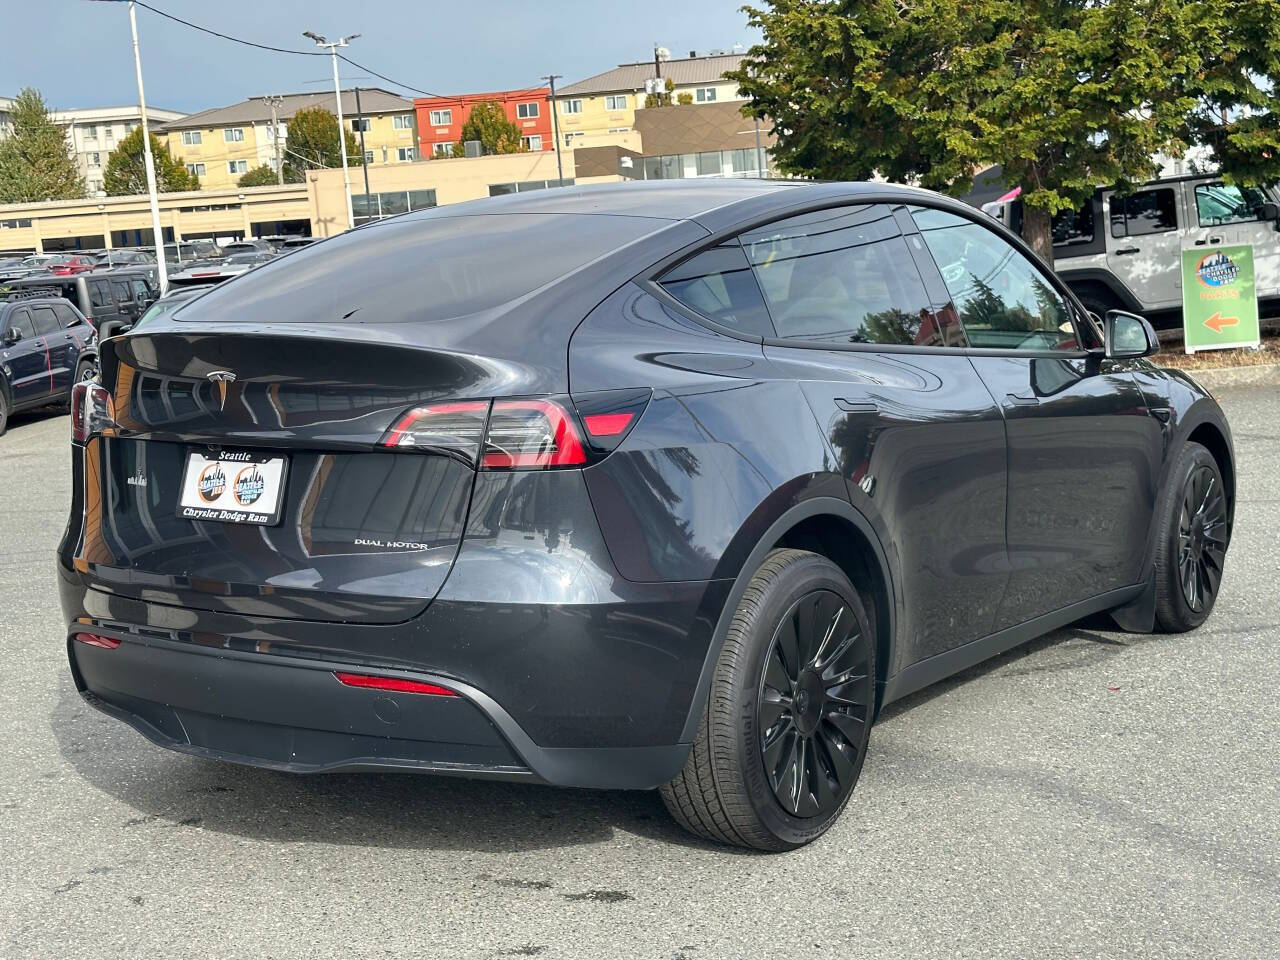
<point>488,123</point>
<point>684,99</point>
<point>1064,95</point>
<point>262,176</point>
<point>126,170</point>
<point>35,162</point>
<point>313,143</point>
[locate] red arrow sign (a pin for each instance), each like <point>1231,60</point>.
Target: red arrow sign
<point>1218,321</point>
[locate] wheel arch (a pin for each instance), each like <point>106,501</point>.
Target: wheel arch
<point>835,529</point>
<point>1210,436</point>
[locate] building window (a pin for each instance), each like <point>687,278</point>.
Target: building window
<point>406,154</point>
<point>95,159</point>
<point>232,134</point>
<point>571,106</point>
<point>402,121</point>
<point>705,94</point>
<point>523,186</point>
<point>532,143</point>
<point>360,125</point>
<point>526,111</point>
<point>444,149</point>
<point>109,132</point>
<point>237,166</point>
<point>441,118</point>
<point>195,169</point>
<point>191,138</point>
<point>570,137</point>
<point>368,157</point>
<point>375,206</point>
<point>91,131</point>
<point>618,102</point>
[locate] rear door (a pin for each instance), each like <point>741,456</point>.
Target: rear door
<point>1144,243</point>
<point>26,358</point>
<point>914,432</point>
<point>1083,453</point>
<point>1224,213</point>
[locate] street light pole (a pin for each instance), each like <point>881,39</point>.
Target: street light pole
<point>150,162</point>
<point>555,125</point>
<point>337,92</point>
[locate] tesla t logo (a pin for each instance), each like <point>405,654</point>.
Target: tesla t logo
<point>220,379</point>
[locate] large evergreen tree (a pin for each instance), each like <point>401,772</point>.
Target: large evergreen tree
<point>313,143</point>
<point>1063,94</point>
<point>126,172</point>
<point>35,162</point>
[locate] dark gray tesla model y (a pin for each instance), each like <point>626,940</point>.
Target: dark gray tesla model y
<point>664,485</point>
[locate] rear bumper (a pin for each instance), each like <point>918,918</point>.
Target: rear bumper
<point>292,714</point>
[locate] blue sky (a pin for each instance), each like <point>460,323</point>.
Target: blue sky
<point>80,55</point>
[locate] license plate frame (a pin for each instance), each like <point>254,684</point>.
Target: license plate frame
<point>225,502</point>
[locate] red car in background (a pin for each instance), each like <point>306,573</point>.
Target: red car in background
<point>67,266</point>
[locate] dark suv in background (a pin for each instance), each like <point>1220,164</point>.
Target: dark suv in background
<point>46,347</point>
<point>112,300</point>
<point>668,485</point>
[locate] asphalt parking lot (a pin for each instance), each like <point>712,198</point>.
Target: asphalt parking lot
<point>1093,794</point>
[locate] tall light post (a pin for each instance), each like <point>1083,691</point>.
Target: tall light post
<point>337,92</point>
<point>150,162</point>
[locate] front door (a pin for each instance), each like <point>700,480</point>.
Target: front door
<point>1144,244</point>
<point>26,359</point>
<point>1084,453</point>
<point>61,348</point>
<point>1224,213</point>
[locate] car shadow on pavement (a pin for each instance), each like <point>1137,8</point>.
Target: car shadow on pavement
<point>402,811</point>
<point>29,418</point>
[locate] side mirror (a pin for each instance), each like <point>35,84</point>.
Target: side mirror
<point>12,336</point>
<point>1270,211</point>
<point>1128,335</point>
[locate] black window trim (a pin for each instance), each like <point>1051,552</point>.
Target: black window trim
<point>647,279</point>
<point>1154,188</point>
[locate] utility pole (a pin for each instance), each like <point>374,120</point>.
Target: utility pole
<point>337,92</point>
<point>364,156</point>
<point>150,161</point>
<point>274,102</point>
<point>555,124</point>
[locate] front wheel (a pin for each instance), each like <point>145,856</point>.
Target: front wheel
<point>785,730</point>
<point>4,412</point>
<point>1192,543</point>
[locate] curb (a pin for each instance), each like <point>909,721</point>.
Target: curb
<point>1256,375</point>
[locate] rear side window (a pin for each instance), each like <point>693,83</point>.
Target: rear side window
<point>67,315</point>
<point>122,291</point>
<point>842,276</point>
<point>1219,203</point>
<point>1148,211</point>
<point>100,293</point>
<point>1073,227</point>
<point>1004,301</point>
<point>718,284</point>
<point>46,321</point>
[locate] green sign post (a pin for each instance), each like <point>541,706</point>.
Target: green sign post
<point>1219,302</point>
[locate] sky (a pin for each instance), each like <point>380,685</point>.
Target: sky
<point>81,54</point>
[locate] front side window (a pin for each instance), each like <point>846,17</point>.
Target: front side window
<point>1145,212</point>
<point>441,118</point>
<point>570,106</point>
<point>122,291</point>
<point>1004,301</point>
<point>845,276</point>
<point>719,285</point>
<point>526,111</point>
<point>20,320</point>
<point>140,291</point>
<point>618,102</point>
<point>232,134</point>
<point>1219,203</point>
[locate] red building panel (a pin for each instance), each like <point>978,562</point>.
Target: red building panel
<point>440,119</point>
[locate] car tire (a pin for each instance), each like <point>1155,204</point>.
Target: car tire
<point>86,370</point>
<point>4,412</point>
<point>784,733</point>
<point>1191,541</point>
<point>1097,299</point>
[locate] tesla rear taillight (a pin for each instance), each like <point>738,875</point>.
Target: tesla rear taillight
<point>609,415</point>
<point>607,424</point>
<point>533,434</point>
<point>95,640</point>
<point>392,684</point>
<point>92,411</point>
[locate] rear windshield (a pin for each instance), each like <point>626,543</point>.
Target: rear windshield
<point>421,269</point>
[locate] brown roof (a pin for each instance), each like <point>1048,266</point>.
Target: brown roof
<point>373,100</point>
<point>631,76</point>
<point>694,128</point>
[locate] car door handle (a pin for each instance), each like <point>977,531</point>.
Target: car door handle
<point>1022,401</point>
<point>1214,240</point>
<point>857,406</point>
<point>1125,251</point>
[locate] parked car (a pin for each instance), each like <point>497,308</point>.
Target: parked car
<point>295,243</point>
<point>209,272</point>
<point>14,268</point>
<point>167,304</point>
<point>46,347</point>
<point>188,250</point>
<point>1125,252</point>
<point>67,265</point>
<point>672,484</point>
<point>111,300</point>
<point>125,258</point>
<point>247,246</point>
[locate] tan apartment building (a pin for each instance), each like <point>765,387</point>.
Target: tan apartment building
<point>220,145</point>
<point>603,109</point>
<point>93,132</point>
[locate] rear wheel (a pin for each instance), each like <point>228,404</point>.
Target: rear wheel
<point>4,412</point>
<point>1192,543</point>
<point>785,730</point>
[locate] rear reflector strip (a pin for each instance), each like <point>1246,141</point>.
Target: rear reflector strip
<point>393,684</point>
<point>94,640</point>
<point>607,424</point>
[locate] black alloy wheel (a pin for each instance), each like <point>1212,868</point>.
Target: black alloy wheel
<point>816,698</point>
<point>1202,538</point>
